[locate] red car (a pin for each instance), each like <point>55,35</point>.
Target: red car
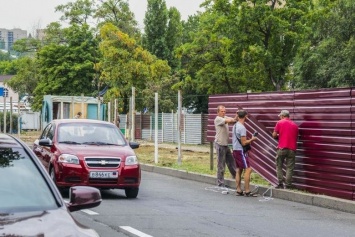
<point>89,152</point>
<point>30,203</point>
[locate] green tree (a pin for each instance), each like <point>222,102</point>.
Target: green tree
<point>173,37</point>
<point>26,77</point>
<point>189,28</point>
<point>27,45</point>
<point>327,59</point>
<point>206,65</point>
<point>7,67</point>
<point>79,12</point>
<point>270,33</point>
<point>125,64</point>
<point>155,21</point>
<point>67,68</point>
<point>5,56</point>
<point>118,13</point>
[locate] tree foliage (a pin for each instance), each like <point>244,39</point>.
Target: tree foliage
<point>26,77</point>
<point>5,56</point>
<point>67,68</point>
<point>78,12</point>
<point>7,67</point>
<point>156,20</point>
<point>119,14</point>
<point>125,64</point>
<point>229,47</point>
<point>173,37</point>
<point>327,58</point>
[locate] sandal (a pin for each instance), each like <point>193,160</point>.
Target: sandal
<point>241,193</point>
<point>250,194</point>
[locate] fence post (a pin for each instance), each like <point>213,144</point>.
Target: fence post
<point>133,125</point>
<point>162,127</point>
<point>179,128</point>
<point>151,127</point>
<point>11,115</point>
<point>211,155</point>
<point>5,114</point>
<point>156,129</point>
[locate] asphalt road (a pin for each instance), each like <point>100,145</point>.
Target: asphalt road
<point>170,206</point>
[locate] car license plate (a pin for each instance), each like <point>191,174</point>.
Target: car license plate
<point>103,175</point>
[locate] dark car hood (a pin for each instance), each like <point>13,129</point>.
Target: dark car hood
<point>96,150</point>
<point>42,223</point>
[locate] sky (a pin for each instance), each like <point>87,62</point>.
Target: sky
<point>34,14</point>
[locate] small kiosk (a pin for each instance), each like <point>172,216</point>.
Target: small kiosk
<point>64,107</point>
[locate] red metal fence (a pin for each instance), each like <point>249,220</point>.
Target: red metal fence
<point>325,161</point>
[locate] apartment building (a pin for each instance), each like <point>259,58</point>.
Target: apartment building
<point>6,91</point>
<point>8,37</point>
<point>40,34</point>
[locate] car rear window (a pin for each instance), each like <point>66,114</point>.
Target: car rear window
<point>22,186</point>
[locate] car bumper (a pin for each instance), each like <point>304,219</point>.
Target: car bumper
<point>73,175</point>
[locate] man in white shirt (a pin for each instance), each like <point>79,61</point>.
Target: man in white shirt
<point>224,154</point>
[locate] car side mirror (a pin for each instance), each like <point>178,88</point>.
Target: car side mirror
<point>134,145</point>
<point>83,197</point>
<point>45,142</point>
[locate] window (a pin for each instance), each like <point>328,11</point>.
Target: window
<point>6,92</point>
<point>22,187</point>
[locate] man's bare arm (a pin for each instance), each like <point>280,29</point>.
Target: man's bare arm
<point>274,134</point>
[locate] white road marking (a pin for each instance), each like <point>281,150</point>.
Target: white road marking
<point>89,212</point>
<point>133,232</point>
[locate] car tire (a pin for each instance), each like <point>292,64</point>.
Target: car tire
<point>131,192</point>
<point>61,189</point>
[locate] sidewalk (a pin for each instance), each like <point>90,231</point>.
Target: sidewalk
<point>269,192</point>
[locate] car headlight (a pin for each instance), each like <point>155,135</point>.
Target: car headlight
<point>67,158</point>
<point>131,160</point>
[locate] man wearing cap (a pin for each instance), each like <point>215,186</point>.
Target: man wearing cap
<point>287,132</point>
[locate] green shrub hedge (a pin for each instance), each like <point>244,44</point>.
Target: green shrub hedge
<point>14,122</point>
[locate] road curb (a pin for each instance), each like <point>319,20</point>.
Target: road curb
<point>289,195</point>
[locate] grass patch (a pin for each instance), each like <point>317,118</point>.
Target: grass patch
<point>192,161</point>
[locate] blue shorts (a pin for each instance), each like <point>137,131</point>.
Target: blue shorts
<point>241,159</point>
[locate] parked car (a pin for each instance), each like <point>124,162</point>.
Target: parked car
<point>89,153</point>
<point>30,203</point>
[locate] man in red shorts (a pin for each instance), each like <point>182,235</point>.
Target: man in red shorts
<point>287,133</point>
<point>241,157</point>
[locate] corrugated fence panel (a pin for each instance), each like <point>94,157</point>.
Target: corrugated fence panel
<point>148,127</point>
<point>193,128</point>
<point>325,154</point>
<point>192,133</point>
<point>169,130</point>
<point>148,134</point>
<point>204,128</point>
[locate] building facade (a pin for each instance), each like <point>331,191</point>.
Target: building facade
<point>9,37</point>
<point>6,91</point>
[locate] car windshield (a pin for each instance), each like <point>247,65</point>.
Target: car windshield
<point>88,133</point>
<point>22,186</point>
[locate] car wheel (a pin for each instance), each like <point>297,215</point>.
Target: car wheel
<point>131,192</point>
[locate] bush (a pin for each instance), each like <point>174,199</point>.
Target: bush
<point>14,122</point>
